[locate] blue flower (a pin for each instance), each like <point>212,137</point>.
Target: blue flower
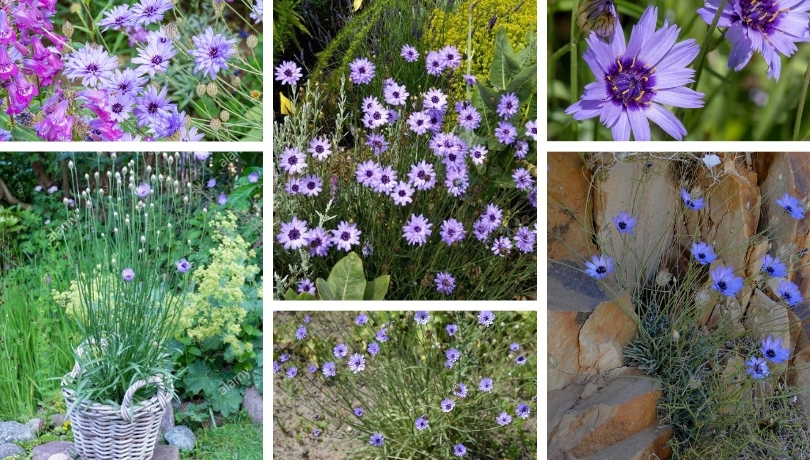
<point>300,333</point>
<point>695,204</point>
<point>624,222</point>
<point>421,423</point>
<point>703,253</point>
<point>292,372</point>
<point>522,411</point>
<point>773,267</point>
<point>421,317</point>
<point>373,348</point>
<point>340,351</point>
<point>377,439</point>
<point>485,385</point>
<point>328,369</point>
<point>503,419</point>
<point>790,292</point>
<point>773,350</point>
<point>486,318</point>
<point>459,450</point>
<point>358,411</point>
<point>361,319</point>
<point>599,267</point>
<point>451,329</point>
<point>452,355</point>
<point>757,368</point>
<point>792,205</point>
<point>447,405</point>
<point>725,281</point>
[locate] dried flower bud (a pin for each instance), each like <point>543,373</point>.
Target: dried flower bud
<point>216,124</point>
<point>212,89</point>
<point>65,201</point>
<point>143,239</point>
<point>224,115</point>
<point>67,29</point>
<point>663,278</point>
<point>236,81</point>
<point>171,31</point>
<point>200,89</point>
<point>252,41</point>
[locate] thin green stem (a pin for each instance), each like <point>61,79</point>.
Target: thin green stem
<point>799,111</point>
<point>704,47</point>
<point>574,61</point>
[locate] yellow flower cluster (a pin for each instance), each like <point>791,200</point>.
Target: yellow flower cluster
<point>214,308</point>
<point>71,300</point>
<point>516,16</point>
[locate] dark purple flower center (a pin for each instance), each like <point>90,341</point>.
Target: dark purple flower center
<point>770,353</point>
<point>288,73</point>
<point>149,10</point>
<point>630,83</point>
<point>152,107</point>
<point>123,87</point>
<point>760,15</point>
<point>294,234</point>
<point>369,173</point>
<point>117,108</point>
<point>376,115</point>
<point>420,174</point>
<point>345,236</point>
<point>722,285</point>
<point>315,242</point>
<point>292,160</point>
<point>402,193</point>
<point>434,99</point>
<point>385,179</point>
<point>770,270</point>
<point>213,52</point>
<point>622,225</point>
<point>789,208</point>
<point>91,68</point>
<point>417,229</point>
<point>319,149</point>
<point>601,269</point>
<point>120,20</point>
<point>157,60</point>
<point>311,185</point>
<point>786,295</point>
<point>701,256</point>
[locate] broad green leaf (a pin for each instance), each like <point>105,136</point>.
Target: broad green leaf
<point>305,296</point>
<point>524,83</point>
<point>226,401</point>
<point>325,290</point>
<point>504,64</point>
<point>194,351</point>
<point>376,290</point>
<point>290,294</point>
<point>199,378</point>
<point>347,280</point>
<point>489,97</point>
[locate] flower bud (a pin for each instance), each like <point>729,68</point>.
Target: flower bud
<point>200,89</point>
<point>143,239</point>
<point>252,41</point>
<point>70,165</point>
<point>67,29</point>
<point>224,115</point>
<point>212,89</point>
<point>171,31</point>
<point>65,201</point>
<point>216,124</point>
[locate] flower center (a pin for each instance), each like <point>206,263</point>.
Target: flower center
<point>417,229</point>
<point>345,236</point>
<point>601,269</point>
<point>770,270</point>
<point>789,209</point>
<point>91,68</point>
<point>722,285</point>
<point>311,185</point>
<point>319,149</point>
<point>420,174</point>
<point>152,107</point>
<point>622,225</point>
<point>402,193</point>
<point>157,60</point>
<point>770,354</point>
<point>631,83</point>
<point>701,256</point>
<point>117,108</point>
<point>213,52</point>
<point>760,15</point>
<point>294,234</point>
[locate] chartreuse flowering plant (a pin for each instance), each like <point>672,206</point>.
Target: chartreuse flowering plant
<point>124,301</point>
<point>428,385</point>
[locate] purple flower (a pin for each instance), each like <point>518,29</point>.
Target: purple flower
<point>792,205</point>
<point>790,292</point>
<point>377,439</point>
<point>366,172</point>
<point>416,230</point>
<point>757,368</point>
<point>460,390</point>
<point>182,265</point>
<point>481,229</point>
<point>377,142</point>
<point>452,355</point>
<point>459,450</point>
<point>396,94</point>
<point>319,242</point>
<point>310,185</point>
<point>328,369</point>
<point>434,99</point>
<point>469,118</point>
<point>434,64</point>
<point>769,27</point>
<point>361,319</point>
<point>118,17</point>
<point>450,56</point>
<point>362,71</point>
<point>485,385</point>
<point>254,177</point>
<point>402,193</point>
<point>523,181</point>
<point>773,350</point>
<point>121,106</point>
<point>301,332</point>
<point>275,367</point>
<point>725,281</point>
<point>486,318</point>
<point>409,53</point>
<point>703,253</point>
<point>421,423</point>
<point>457,180</point>
<point>320,148</point>
<point>421,317</point>
<point>358,411</point>
<point>384,180</point>
<point>525,239</point>
<point>346,235</point>
<point>284,357</point>
<point>373,348</point>
<point>471,80</point>
<point>419,122</point>
<point>531,129</point>
<point>508,105</point>
<point>292,160</point>
<point>502,246</point>
<point>599,267</point>
<point>520,360</point>
<point>288,73</point>
<point>292,372</point>
<point>478,153</point>
<point>357,362</point>
<point>128,274</point>
<point>624,222</point>
<point>633,81</point>
<point>523,411</point>
<point>92,64</point>
<point>212,52</point>
<point>293,234</point>
<point>154,58</point>
<point>448,364</point>
<point>152,105</point>
<point>773,267</point>
<point>143,190</point>
<point>503,419</point>
<point>514,346</point>
<point>340,351</point>
<point>451,329</point>
<point>306,285</point>
<point>492,216</point>
<point>126,82</point>
<point>316,432</point>
<point>149,11</point>
<point>695,204</point>
<point>422,175</point>
<point>382,335</point>
<point>258,11</point>
<point>452,231</point>
<point>505,132</point>
<point>312,368</point>
<point>222,198</point>
<point>447,405</point>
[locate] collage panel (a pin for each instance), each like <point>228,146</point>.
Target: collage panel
<point>404,384</point>
<point>152,70</point>
<point>677,312</point>
<point>131,305</point>
<point>405,155</point>
<point>698,70</point>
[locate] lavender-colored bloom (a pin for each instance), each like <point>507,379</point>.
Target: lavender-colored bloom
<point>451,329</point>
<point>377,439</point>
<point>310,185</point>
<point>149,11</point>
<point>306,285</point>
<point>448,364</point>
<point>384,180</point>
<point>773,267</point>
<point>301,332</point>
<point>452,231</point>
<point>367,250</point>
<point>452,355</point>
<point>416,230</point>
<point>523,181</point>
<point>328,369</point>
<point>434,99</point>
<point>485,385</point>
<point>434,64</point>
<point>340,351</point>
<point>503,419</point>
<point>523,411</point>
<point>520,360</point>
<point>450,56</point>
<point>292,160</point>
<point>92,64</point>
<point>770,27</point>
<point>409,53</point>
<point>502,246</point>
<point>757,368</point>
<point>481,229</point>
<point>382,335</point>
<point>118,17</point>
<point>126,82</point>
<point>773,350</point>
<point>362,71</point>
<point>469,118</point>
<point>396,94</point>
<point>624,222</point>
<point>154,58</point>
<point>288,73</point>
<point>531,129</point>
<point>492,216</point>
<point>514,346</point>
<point>693,204</point>
<point>448,405</point>
<point>521,149</point>
<point>346,235</point>
<point>373,348</point>
<point>790,292</point>
<point>525,240</point>
<point>312,368</point>
<point>419,122</point>
<point>212,52</point>
<point>599,267</point>
<point>254,177</point>
<point>457,180</point>
<point>633,81</point>
<point>128,274</point>
<point>222,198</point>
<point>505,132</point>
<point>366,172</point>
<point>402,193</point>
<point>471,80</point>
<point>361,319</point>
<point>508,105</point>
<point>460,390</point>
<point>319,242</point>
<point>532,197</point>
<point>293,234</point>
<point>152,105</point>
<point>377,142</point>
<point>703,253</point>
<point>421,317</point>
<point>143,190</point>
<point>486,318</point>
<point>459,450</point>
<point>725,281</point>
<point>422,176</point>
<point>421,423</point>
<point>478,153</point>
<point>320,148</point>
<point>316,432</point>
<point>292,372</point>
<point>284,357</point>
<point>792,205</point>
<point>182,265</point>
<point>275,367</point>
<point>357,362</point>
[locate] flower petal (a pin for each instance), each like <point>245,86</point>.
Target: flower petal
<point>680,55</point>
<point>679,97</point>
<point>610,114</point>
<point>666,120</point>
<point>741,48</point>
<point>657,47</point>
<point>642,32</point>
<point>674,77</point>
<point>640,124</point>
<point>621,130</point>
<point>584,109</point>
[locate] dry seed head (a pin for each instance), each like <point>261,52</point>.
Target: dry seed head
<point>200,89</point>
<point>216,124</point>
<point>236,81</point>
<point>212,89</point>
<point>171,31</point>
<point>67,29</point>
<point>252,41</point>
<point>224,115</point>
<point>663,278</point>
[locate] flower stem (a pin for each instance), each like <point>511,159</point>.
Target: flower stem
<point>574,39</point>
<point>799,111</point>
<point>704,47</point>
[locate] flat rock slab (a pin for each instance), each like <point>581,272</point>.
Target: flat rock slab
<point>15,432</point>
<point>10,450</point>
<point>44,451</point>
<point>570,289</point>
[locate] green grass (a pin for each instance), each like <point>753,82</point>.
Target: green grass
<point>239,440</point>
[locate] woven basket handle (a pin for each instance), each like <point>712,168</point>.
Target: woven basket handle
<point>163,396</point>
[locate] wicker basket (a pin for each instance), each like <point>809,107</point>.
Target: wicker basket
<point>102,432</point>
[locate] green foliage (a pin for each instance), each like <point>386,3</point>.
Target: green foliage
<point>346,282</point>
<point>287,23</point>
